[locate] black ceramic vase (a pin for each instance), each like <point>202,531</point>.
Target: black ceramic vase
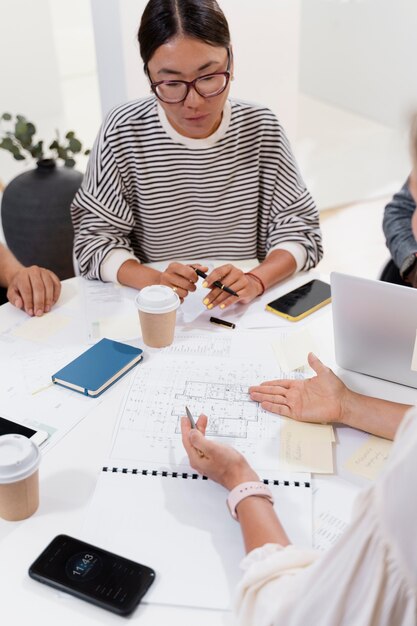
<point>36,220</point>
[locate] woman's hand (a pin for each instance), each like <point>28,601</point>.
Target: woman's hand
<point>247,287</point>
<point>34,289</point>
<point>319,399</point>
<point>222,464</point>
<point>181,278</point>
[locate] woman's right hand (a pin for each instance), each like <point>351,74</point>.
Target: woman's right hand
<point>319,399</point>
<point>220,463</point>
<point>181,278</point>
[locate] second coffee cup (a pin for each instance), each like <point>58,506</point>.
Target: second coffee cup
<point>157,306</point>
<point>19,477</point>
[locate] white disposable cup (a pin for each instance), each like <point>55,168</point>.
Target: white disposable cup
<point>19,477</point>
<point>157,306</point>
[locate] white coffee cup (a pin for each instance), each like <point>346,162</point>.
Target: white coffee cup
<point>157,306</point>
<point>19,477</point>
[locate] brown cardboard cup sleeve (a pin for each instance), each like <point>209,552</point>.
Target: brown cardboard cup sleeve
<point>19,477</point>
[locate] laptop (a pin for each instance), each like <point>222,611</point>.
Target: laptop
<point>375,327</point>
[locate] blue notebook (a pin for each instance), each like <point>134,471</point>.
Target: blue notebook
<point>98,367</point>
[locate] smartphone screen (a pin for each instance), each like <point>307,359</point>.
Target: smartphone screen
<point>93,574</point>
<point>7,427</point>
<point>301,301</point>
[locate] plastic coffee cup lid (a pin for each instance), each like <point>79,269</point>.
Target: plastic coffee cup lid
<point>157,299</point>
<point>19,458</point>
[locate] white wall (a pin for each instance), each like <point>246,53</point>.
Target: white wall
<point>361,56</point>
<point>265,36</point>
<point>29,70</point>
<point>75,52</point>
<point>48,71</point>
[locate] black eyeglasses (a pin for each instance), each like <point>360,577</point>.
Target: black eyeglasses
<point>207,86</point>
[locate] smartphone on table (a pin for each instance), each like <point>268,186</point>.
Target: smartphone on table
<point>7,427</point>
<point>301,301</point>
<point>92,574</point>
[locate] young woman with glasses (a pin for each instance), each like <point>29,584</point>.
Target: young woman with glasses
<point>189,173</point>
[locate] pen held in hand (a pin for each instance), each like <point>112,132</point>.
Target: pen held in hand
<point>190,417</point>
<point>193,425</point>
<point>216,283</point>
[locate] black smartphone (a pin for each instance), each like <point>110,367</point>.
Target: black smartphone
<point>7,427</point>
<point>301,301</point>
<point>100,577</point>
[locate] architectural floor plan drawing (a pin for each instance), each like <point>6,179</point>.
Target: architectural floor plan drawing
<point>228,407</point>
<point>149,422</point>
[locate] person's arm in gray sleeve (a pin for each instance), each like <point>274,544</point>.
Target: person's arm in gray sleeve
<point>397,225</point>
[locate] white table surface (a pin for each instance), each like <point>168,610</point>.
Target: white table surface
<point>68,475</point>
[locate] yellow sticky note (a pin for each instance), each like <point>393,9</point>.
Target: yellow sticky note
<point>317,433</point>
<point>291,351</point>
<point>306,447</point>
<point>40,328</point>
<point>370,458</point>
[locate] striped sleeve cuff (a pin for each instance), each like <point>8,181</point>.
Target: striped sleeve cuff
<point>296,249</point>
<point>113,262</point>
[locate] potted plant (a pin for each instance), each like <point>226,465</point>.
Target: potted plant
<point>35,208</point>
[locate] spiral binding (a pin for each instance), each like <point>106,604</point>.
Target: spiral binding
<point>186,475</point>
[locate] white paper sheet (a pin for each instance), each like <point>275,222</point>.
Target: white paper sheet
<point>209,379</point>
<point>333,502</point>
<point>109,311</point>
<point>29,397</point>
<point>181,527</point>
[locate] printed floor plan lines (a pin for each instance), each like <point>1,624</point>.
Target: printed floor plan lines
<point>214,400</point>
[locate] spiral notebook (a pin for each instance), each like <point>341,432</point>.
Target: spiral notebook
<point>178,524</point>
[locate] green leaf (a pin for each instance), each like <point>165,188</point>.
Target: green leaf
<point>20,118</point>
<point>54,145</point>
<point>19,157</point>
<point>62,153</point>
<point>7,143</point>
<point>70,135</point>
<point>69,162</point>
<point>31,130</point>
<point>24,132</point>
<point>37,150</point>
<point>75,145</point>
<point>6,116</point>
<point>87,152</point>
<point>20,128</point>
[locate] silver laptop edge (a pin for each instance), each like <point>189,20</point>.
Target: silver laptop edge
<point>375,327</point>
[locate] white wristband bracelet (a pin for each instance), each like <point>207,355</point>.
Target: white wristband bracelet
<point>244,490</point>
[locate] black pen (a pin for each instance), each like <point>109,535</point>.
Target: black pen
<point>217,283</point>
<point>216,320</point>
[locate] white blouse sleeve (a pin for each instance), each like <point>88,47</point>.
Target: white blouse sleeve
<point>269,574</point>
<point>368,577</point>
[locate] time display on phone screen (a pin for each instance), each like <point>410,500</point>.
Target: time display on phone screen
<point>83,566</point>
<point>93,574</point>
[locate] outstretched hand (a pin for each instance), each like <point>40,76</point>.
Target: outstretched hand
<point>223,464</point>
<point>318,399</point>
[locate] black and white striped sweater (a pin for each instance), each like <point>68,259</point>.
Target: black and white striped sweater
<point>158,195</point>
